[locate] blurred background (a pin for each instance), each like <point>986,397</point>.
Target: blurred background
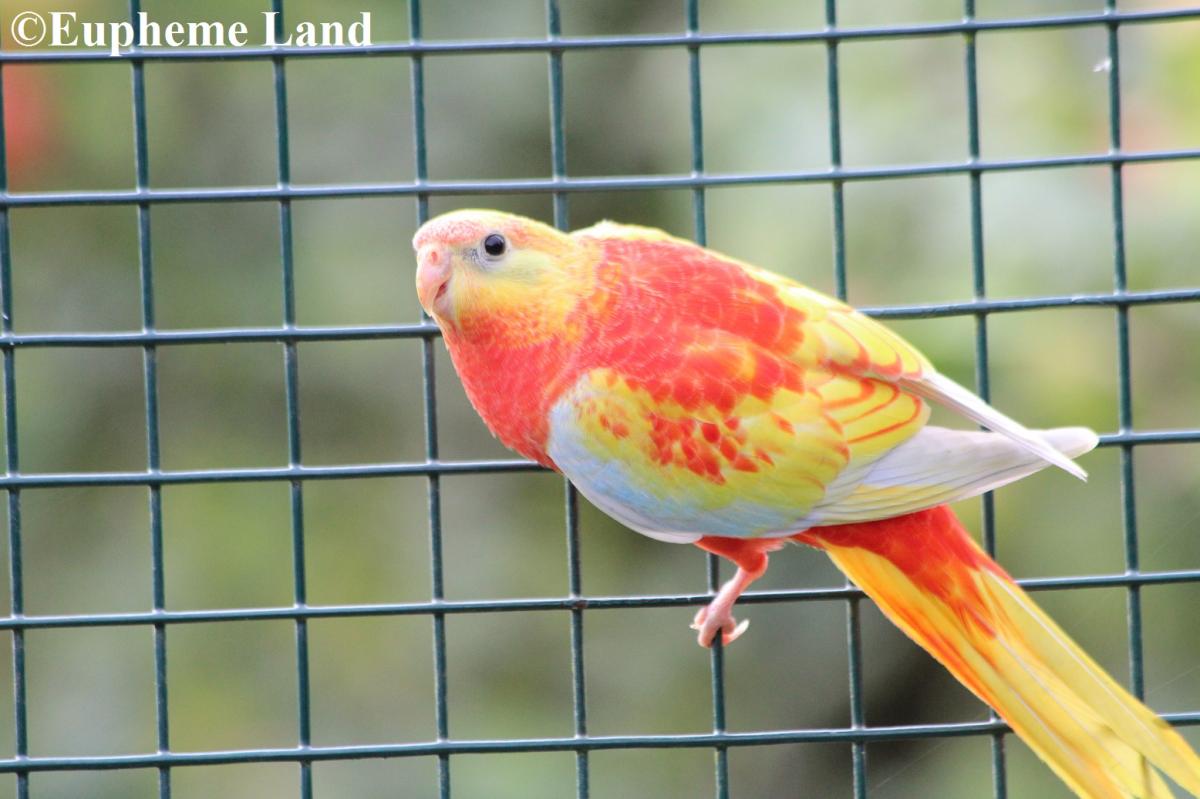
<point>217,265</point>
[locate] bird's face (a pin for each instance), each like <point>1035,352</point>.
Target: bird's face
<point>484,266</point>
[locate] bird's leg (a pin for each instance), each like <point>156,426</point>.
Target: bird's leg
<point>750,556</point>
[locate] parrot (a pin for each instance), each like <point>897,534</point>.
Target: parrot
<point>701,400</point>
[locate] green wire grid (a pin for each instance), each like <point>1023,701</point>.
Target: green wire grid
<point>559,185</point>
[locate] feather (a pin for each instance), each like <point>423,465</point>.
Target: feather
<point>937,466</point>
<point>941,389</point>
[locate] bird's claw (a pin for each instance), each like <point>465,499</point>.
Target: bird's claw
<point>709,621</point>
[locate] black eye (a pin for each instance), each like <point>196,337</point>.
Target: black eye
<point>495,245</point>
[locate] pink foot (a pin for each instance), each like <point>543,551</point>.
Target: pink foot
<point>750,555</point>
<point>718,617</point>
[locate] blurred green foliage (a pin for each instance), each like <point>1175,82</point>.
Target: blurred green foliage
<point>765,109</point>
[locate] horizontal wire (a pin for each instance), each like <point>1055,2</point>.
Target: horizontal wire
<point>565,43</point>
<point>293,191</point>
<point>429,329</point>
<point>398,469</point>
<point>274,473</point>
<point>471,606</point>
<point>573,744</point>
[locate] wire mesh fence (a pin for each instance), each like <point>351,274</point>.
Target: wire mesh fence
<point>298,474</point>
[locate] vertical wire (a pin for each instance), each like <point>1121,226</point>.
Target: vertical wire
<point>150,381</point>
<point>12,468</point>
<point>835,151</point>
<point>858,749</point>
<point>558,157</point>
<point>579,687</point>
<point>558,145</point>
<point>433,484</point>
<point>292,397</point>
<point>982,370</point>
<point>700,229</point>
<point>1125,390</point>
<point>699,209</point>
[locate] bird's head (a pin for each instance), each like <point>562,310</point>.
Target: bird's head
<point>476,269</point>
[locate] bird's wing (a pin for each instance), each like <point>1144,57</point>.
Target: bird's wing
<point>846,339</point>
<point>832,334</point>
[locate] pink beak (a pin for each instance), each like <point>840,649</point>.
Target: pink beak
<point>433,278</point>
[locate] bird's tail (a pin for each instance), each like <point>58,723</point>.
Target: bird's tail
<point>928,576</point>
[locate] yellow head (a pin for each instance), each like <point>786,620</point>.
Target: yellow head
<point>476,269</point>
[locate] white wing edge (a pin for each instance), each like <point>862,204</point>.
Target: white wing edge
<point>937,466</point>
<point>941,389</point>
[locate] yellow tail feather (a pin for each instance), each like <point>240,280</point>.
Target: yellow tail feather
<point>930,578</point>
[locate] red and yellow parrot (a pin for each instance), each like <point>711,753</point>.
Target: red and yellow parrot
<point>701,400</point>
